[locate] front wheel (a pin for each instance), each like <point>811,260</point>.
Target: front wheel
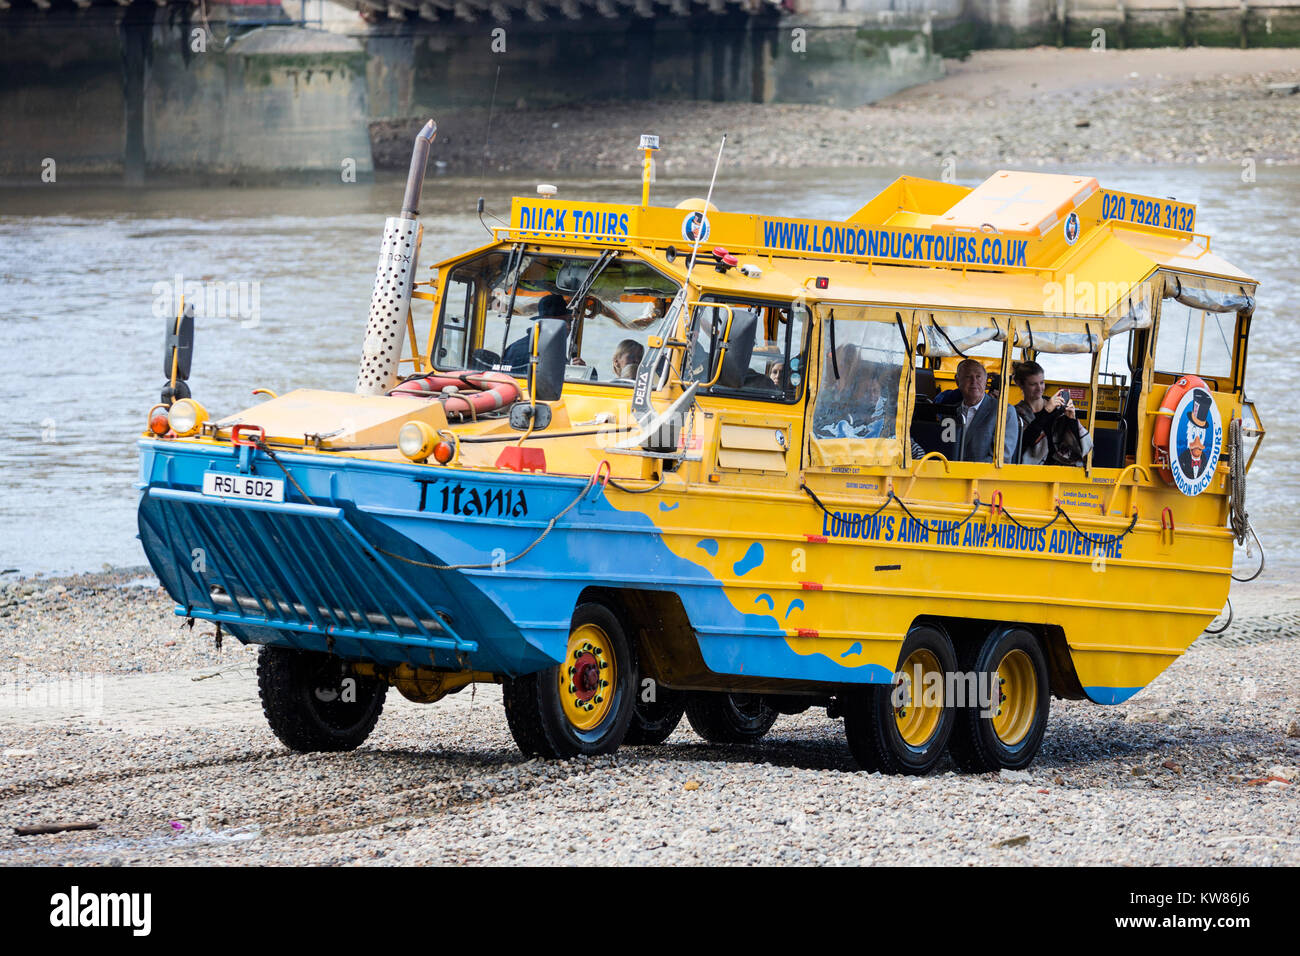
<point>581,706</point>
<point>1003,729</point>
<point>730,718</point>
<point>904,727</point>
<point>315,702</point>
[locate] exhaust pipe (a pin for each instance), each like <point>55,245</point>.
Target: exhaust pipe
<point>394,276</point>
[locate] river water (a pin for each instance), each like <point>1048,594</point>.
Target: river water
<point>82,272</point>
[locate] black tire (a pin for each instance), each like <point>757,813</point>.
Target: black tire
<point>877,739</point>
<point>976,745</point>
<point>729,718</point>
<point>307,703</point>
<point>654,721</point>
<point>539,717</point>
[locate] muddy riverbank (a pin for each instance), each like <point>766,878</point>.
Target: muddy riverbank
<point>1020,108</point>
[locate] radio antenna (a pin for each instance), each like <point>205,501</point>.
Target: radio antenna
<point>487,136</point>
<point>701,216</point>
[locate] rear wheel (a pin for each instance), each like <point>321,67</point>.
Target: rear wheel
<point>584,704</point>
<point>653,721</point>
<point>1004,727</point>
<point>730,718</point>
<point>314,701</point>
<point>904,727</point>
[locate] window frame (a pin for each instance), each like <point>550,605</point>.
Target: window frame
<point>478,330</point>
<point>719,391</point>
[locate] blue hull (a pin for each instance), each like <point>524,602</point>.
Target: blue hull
<point>360,570</point>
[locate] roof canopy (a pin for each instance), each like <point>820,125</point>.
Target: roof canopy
<point>1032,243</point>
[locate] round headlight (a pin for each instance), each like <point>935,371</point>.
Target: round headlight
<point>187,417</point>
<point>416,440</point>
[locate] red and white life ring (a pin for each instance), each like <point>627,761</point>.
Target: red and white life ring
<point>1165,420</point>
<point>463,394</point>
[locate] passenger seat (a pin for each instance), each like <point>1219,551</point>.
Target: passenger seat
<point>930,421</point>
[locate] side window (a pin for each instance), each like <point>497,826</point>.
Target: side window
<point>858,392</point>
<point>1113,367</point>
<point>1192,341</point>
<point>457,311</point>
<point>777,366</point>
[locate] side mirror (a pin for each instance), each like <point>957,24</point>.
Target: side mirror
<point>549,355</point>
<point>741,335</point>
<point>178,352</point>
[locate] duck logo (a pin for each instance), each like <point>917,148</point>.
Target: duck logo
<point>1198,440</point>
<point>1071,228</point>
<point>695,227</point>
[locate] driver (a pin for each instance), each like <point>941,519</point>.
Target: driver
<point>1037,416</point>
<point>515,356</point>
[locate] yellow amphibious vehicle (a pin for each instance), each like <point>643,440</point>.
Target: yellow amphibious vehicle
<point>927,467</point>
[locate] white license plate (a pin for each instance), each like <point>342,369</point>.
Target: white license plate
<point>243,486</point>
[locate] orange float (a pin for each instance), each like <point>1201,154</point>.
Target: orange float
<point>463,394</point>
<point>1165,420</point>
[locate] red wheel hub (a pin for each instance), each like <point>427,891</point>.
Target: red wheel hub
<point>586,676</point>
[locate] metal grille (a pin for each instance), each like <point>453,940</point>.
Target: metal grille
<point>290,566</point>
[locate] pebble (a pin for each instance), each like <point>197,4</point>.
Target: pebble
<point>445,784</point>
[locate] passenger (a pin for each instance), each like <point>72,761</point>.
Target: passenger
<point>979,413</point>
<point>864,399</point>
<point>1037,420</point>
<point>516,356</point>
<point>627,358</point>
<point>774,373</point>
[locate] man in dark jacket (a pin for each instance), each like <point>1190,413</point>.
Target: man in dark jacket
<point>979,414</point>
<point>551,306</point>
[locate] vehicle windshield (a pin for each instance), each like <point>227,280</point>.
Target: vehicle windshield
<point>608,331</point>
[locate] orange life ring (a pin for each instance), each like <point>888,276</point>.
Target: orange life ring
<point>1165,420</point>
<point>463,394</point>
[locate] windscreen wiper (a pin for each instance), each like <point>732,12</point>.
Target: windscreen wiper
<point>580,295</point>
<point>516,253</point>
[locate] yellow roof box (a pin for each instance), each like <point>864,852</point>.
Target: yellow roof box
<point>1027,204</point>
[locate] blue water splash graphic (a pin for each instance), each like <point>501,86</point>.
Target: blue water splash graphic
<point>752,559</point>
<point>770,603</point>
<point>709,545</point>
<point>796,603</point>
<point>855,649</point>
<point>665,506</point>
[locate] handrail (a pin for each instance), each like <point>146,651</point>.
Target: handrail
<point>916,468</point>
<point>1146,476</point>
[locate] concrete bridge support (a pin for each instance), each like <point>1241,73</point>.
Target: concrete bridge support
<point>141,90</point>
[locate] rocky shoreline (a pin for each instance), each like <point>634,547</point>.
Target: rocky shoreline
<point>174,764</point>
<point>1019,108</point>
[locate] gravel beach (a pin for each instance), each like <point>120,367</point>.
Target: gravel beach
<point>170,756</point>
<point>1015,108</point>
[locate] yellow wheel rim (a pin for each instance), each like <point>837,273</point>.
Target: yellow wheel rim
<point>920,711</point>
<point>587,677</point>
<point>1015,698</point>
